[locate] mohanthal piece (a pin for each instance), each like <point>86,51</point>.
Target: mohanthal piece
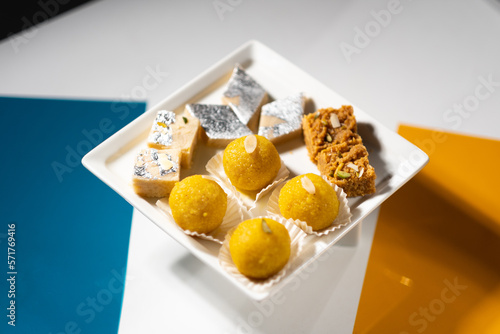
<point>335,146</point>
<point>347,166</point>
<point>327,127</point>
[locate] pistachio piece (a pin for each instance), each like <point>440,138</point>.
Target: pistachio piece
<point>339,167</point>
<point>343,175</point>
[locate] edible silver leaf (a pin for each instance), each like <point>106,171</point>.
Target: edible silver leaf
<point>142,165</point>
<point>289,110</point>
<point>250,94</point>
<point>218,121</point>
<point>162,135</point>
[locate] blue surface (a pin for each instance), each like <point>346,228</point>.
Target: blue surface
<point>71,230</point>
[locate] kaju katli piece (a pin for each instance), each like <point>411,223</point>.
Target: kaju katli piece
<point>245,96</point>
<point>219,123</point>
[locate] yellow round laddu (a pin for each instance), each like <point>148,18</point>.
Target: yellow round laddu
<point>260,247</point>
<point>251,171</point>
<point>314,202</point>
<point>198,204</point>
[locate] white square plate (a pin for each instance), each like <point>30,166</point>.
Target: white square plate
<point>394,158</point>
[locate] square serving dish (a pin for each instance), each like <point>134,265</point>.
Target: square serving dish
<point>394,158</point>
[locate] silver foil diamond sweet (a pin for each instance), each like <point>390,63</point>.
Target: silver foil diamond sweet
<point>220,123</point>
<point>245,96</point>
<point>282,119</point>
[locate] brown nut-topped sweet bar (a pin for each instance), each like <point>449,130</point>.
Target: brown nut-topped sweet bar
<point>347,166</point>
<point>326,127</point>
<point>335,146</point>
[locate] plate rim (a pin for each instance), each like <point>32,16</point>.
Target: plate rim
<point>95,160</point>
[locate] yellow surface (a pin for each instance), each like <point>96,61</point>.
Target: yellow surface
<point>260,250</point>
<point>318,210</point>
<point>198,204</point>
<point>434,266</point>
<point>251,171</point>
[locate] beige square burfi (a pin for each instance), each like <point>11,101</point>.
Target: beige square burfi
<point>171,131</point>
<point>156,172</point>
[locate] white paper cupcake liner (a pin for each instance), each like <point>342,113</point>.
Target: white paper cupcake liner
<point>234,215</point>
<point>215,167</point>
<point>343,218</point>
<point>226,262</point>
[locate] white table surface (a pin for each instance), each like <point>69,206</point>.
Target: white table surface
<point>426,65</point>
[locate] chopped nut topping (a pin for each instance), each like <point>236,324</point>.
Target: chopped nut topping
<point>334,119</point>
<point>266,227</point>
<point>165,162</point>
<point>362,171</point>
<point>308,185</point>
<point>250,143</point>
<point>339,167</point>
<point>343,175</point>
<point>353,166</point>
